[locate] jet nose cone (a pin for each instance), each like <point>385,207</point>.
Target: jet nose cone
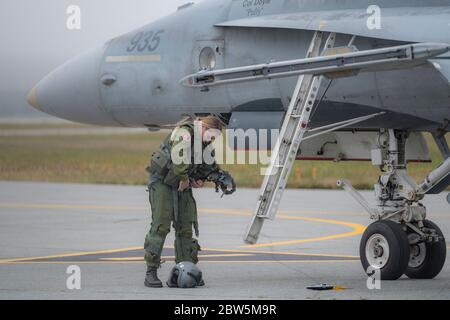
<point>32,99</point>
<point>72,92</point>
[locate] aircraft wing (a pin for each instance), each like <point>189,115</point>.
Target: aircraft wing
<point>409,24</point>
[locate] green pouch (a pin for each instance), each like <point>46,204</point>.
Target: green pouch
<point>171,179</point>
<point>159,163</point>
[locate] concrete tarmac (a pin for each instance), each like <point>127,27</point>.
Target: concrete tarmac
<point>45,228</point>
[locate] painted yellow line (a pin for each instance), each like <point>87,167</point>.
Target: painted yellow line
<point>281,261</point>
<point>284,253</point>
<point>201,262</point>
<point>357,229</point>
<point>233,253</point>
<point>74,262</point>
<point>224,255</point>
<point>141,259</point>
<point>68,255</point>
<point>135,58</point>
<point>173,257</point>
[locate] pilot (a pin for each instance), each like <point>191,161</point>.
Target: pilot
<point>170,187</point>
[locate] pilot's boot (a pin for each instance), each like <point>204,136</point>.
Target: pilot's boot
<point>151,278</point>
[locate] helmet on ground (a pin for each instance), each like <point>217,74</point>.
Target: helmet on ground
<point>185,275</point>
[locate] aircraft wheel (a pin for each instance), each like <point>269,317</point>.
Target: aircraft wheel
<point>385,246</point>
<point>427,259</point>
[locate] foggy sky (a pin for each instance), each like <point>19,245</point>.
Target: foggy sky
<point>34,39</point>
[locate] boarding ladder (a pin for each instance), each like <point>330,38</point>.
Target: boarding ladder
<point>292,132</point>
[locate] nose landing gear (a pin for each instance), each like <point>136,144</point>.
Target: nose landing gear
<point>401,241</point>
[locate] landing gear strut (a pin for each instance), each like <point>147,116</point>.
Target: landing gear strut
<point>401,241</point>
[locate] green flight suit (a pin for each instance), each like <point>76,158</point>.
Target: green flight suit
<point>163,190</point>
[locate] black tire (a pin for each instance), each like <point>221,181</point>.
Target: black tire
<point>398,245</point>
<point>436,253</point>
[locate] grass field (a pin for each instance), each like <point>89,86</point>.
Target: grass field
<point>121,159</point>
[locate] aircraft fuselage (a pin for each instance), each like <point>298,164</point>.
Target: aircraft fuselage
<point>133,80</point>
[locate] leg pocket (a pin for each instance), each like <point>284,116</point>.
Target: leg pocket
<point>161,202</point>
<point>188,214</point>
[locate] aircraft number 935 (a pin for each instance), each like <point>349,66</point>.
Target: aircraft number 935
<point>142,41</point>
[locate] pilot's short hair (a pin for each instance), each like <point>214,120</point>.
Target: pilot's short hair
<point>212,122</point>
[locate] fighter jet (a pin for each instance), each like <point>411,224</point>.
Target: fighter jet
<point>344,80</point>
